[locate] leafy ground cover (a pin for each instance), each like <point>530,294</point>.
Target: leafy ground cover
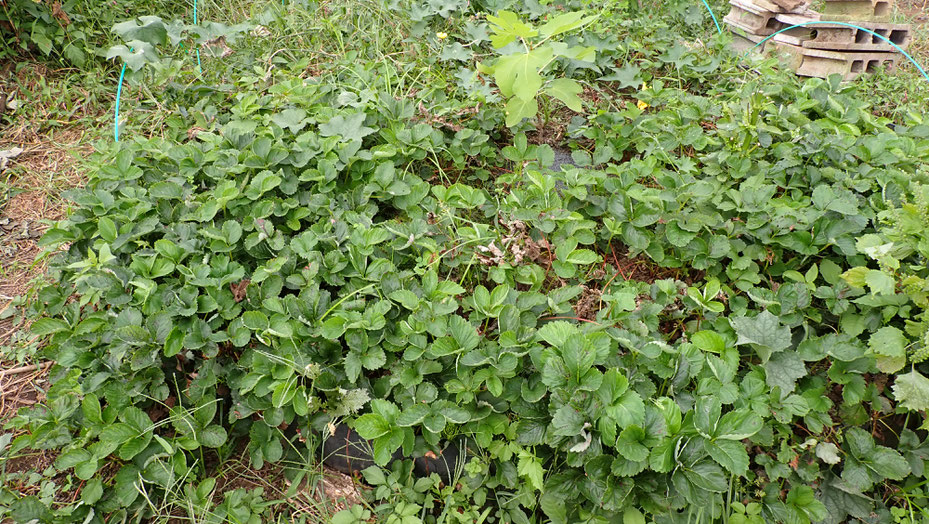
<point>359,216</point>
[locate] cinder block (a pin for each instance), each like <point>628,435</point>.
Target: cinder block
<point>839,37</point>
<point>822,63</point>
<point>743,41</point>
<point>858,10</point>
<point>752,19</point>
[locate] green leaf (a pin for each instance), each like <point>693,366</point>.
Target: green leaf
<point>828,453</point>
<point>530,468</point>
<point>517,109</point>
<point>783,370</point>
<point>911,390</point>
<point>413,415</point>
<point>564,23</point>
<point>709,341</point>
<point>406,298</point>
<point>888,463</point>
<point>371,426</point>
<point>30,509</point>
<point>880,283</point>
<point>739,424</point>
<point>627,76</point>
<point>888,341</point>
<point>292,119</point>
<point>707,475</point>
<point>764,332</point>
<point>332,328</point>
<point>633,516</point>
<point>568,421</point>
<point>212,436</point>
<point>630,444</point>
<point>855,276</point>
<point>578,356</point>
<point>566,90</point>
<point>556,333</point>
<point>463,332</point>
<point>351,127</point>
<point>149,29</point>
<point>730,454</point>
<point>47,326</point>
<point>582,257</point>
<point>255,320</point>
<point>92,491</point>
<point>508,27</point>
<point>628,410</point>
<point>86,470</point>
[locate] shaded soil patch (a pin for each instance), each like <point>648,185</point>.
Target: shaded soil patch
<point>642,269</point>
<point>20,387</point>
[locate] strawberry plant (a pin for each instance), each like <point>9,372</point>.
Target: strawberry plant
<point>715,311</point>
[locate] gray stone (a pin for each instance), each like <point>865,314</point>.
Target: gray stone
<point>839,37</point>
<point>822,63</point>
<point>751,19</point>
<point>858,10</point>
<point>743,41</point>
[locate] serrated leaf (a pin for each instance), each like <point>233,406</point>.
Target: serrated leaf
<point>739,424</point>
<point>764,332</point>
<point>911,391</point>
<point>730,454</point>
<point>828,453</point>
<point>880,283</point>
<point>371,426</point>
<point>889,342</point>
<point>529,467</point>
<point>568,422</point>
<point>463,332</point>
<point>783,370</point>
<point>582,257</point>
<point>47,326</point>
<point>628,410</point>
<point>556,333</point>
<point>888,463</point>
<point>212,436</point>
<point>413,415</point>
<point>350,127</point>
<point>709,341</point>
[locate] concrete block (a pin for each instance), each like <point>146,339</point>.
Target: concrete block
<point>752,19</point>
<point>792,6</point>
<point>743,41</point>
<point>839,37</point>
<point>857,10</point>
<point>822,63</point>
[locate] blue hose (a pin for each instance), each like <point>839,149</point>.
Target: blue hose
<point>821,22</point>
<point>715,21</point>
<point>119,92</point>
<point>199,67</point>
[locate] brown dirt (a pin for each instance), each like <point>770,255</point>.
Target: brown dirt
<point>21,387</point>
<point>333,492</point>
<point>29,188</point>
<point>916,10</point>
<point>589,303</point>
<point>642,269</point>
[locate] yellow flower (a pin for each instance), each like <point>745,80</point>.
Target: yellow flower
<point>644,86</point>
<point>441,36</point>
<point>641,105</point>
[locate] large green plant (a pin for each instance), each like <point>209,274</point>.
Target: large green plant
<point>526,52</point>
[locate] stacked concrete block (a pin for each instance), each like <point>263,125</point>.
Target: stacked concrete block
<point>822,48</point>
